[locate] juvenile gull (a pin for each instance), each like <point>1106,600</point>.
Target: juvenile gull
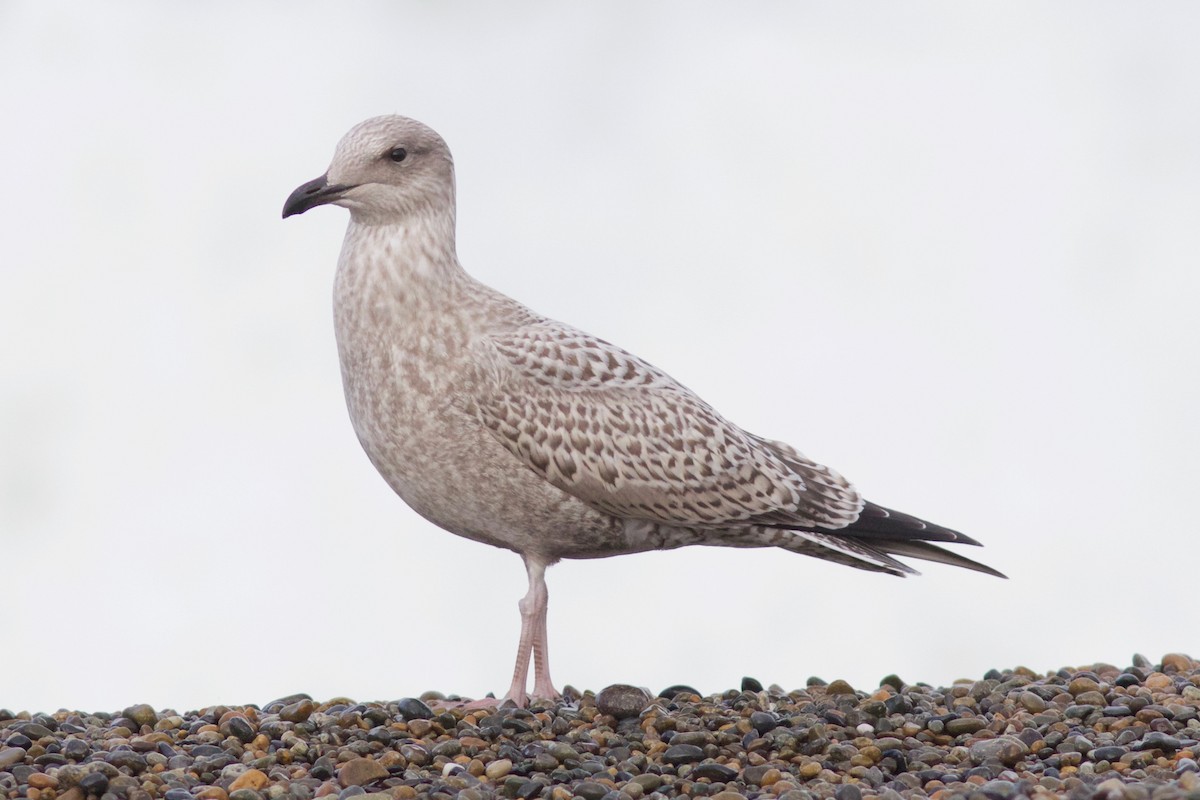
<point>518,431</point>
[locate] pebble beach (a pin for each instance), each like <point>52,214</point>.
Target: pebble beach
<point>1098,731</point>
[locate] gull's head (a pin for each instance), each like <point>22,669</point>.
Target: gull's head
<point>384,170</point>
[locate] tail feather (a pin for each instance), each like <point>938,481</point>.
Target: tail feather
<point>931,552</point>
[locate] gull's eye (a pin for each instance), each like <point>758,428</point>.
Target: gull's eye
<point>398,154</point>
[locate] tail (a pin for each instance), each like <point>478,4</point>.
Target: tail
<point>871,540</point>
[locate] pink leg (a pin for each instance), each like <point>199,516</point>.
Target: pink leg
<point>533,639</point>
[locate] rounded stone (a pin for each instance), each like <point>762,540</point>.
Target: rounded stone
<point>682,754</point>
<point>1110,753</point>
<point>590,790</point>
<point>763,722</point>
<point>142,714</point>
<point>1176,662</point>
<point>1008,750</point>
<point>240,728</point>
<point>622,700</point>
<point>713,771</point>
<point>250,779</point>
<point>298,711</point>
<point>957,727</point>
<point>411,708</point>
<point>360,771</point>
<point>12,755</point>
<point>1032,702</point>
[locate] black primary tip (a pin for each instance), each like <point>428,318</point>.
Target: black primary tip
<point>314,193</point>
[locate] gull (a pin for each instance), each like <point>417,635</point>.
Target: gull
<point>512,429</point>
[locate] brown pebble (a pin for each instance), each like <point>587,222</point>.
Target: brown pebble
<point>1156,680</point>
<point>40,780</point>
<point>360,771</point>
<point>498,769</point>
<point>810,769</point>
<point>771,777</point>
<point>250,779</point>
<point>297,712</point>
<point>212,793</point>
<point>1176,662</point>
<point>728,795</point>
<point>839,686</point>
<point>1080,685</point>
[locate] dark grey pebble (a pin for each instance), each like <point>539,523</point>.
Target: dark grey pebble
<point>698,738</point>
<point>1008,750</point>
<point>1156,740</point>
<point>530,789</point>
<point>1000,789</point>
<point>127,758</point>
<point>97,783</point>
<point>590,790</point>
<point>683,754</point>
<point>76,749</point>
<point>274,706</point>
<point>713,772</point>
<point>763,722</point>
<point>1109,753</point>
<point>754,775</point>
<point>241,729</point>
<point>323,768</point>
<point>751,685</point>
<point>33,730</point>
<point>622,700</point>
<point>207,751</point>
<point>411,708</point>
<point>1126,679</point>
<point>381,734</point>
<point>957,727</point>
<point>449,748</point>
<point>678,688</point>
<point>18,740</point>
<point>177,794</point>
<point>245,794</point>
<point>848,791</point>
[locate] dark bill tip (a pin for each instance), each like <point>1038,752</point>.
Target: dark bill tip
<point>314,193</point>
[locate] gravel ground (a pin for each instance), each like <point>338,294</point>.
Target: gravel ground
<point>1098,731</point>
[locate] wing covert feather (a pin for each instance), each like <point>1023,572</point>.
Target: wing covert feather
<point>626,438</point>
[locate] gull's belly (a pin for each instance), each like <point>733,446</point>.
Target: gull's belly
<point>448,467</point>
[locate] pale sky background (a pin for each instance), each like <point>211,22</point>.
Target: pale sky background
<point>950,249</point>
